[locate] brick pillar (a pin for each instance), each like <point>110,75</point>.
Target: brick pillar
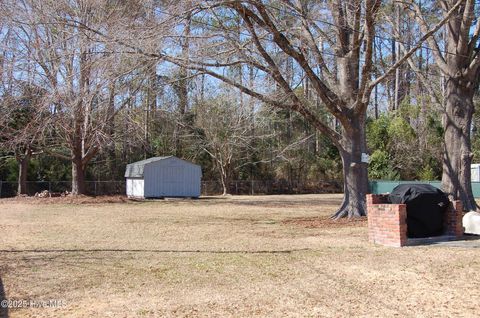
<point>387,223</point>
<point>453,219</point>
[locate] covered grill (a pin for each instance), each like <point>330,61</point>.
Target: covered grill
<point>426,206</point>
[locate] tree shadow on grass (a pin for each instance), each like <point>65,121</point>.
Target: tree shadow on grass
<point>3,307</point>
<point>275,203</point>
<point>287,251</point>
<point>268,201</point>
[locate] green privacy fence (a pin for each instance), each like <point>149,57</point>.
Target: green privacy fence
<point>383,186</point>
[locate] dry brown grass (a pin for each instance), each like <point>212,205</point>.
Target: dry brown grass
<point>236,256</point>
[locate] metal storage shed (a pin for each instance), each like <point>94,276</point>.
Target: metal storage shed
<point>160,177</point>
<point>475,170</point>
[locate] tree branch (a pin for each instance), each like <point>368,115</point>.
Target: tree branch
<point>427,36</point>
<point>439,59</point>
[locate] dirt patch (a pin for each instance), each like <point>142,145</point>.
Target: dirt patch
<point>69,199</point>
<point>326,222</point>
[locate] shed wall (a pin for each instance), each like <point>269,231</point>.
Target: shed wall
<point>475,170</point>
<point>172,178</point>
<point>135,187</point>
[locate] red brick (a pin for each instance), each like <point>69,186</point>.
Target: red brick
<point>387,223</point>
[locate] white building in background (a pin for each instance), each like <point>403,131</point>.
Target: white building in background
<point>475,169</point>
<point>161,177</point>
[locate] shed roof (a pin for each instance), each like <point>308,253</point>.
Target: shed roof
<point>135,169</point>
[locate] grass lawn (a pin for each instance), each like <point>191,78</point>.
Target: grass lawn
<point>219,257</point>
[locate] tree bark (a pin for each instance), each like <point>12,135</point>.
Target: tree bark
<point>22,173</point>
<point>225,179</point>
<point>111,154</point>
<point>182,90</point>
<point>78,177</point>
<point>355,172</point>
<point>224,186</point>
<point>457,157</point>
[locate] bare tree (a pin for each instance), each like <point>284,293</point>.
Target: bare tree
<point>223,131</point>
<point>344,94</point>
<point>458,60</point>
<point>181,86</point>
<point>23,120</point>
<point>78,72</point>
<point>340,76</point>
<point>22,116</point>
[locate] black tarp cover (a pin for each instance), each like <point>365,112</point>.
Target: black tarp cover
<point>425,208</point>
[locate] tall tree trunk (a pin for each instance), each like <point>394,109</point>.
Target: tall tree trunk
<point>22,173</point>
<point>111,154</point>
<point>78,177</point>
<point>224,186</point>
<point>146,142</point>
<point>396,89</point>
<point>461,73</point>
<point>182,90</point>
<point>355,172</point>
<point>456,177</point>
<point>392,97</point>
<point>224,179</point>
<point>153,88</point>
<point>375,61</point>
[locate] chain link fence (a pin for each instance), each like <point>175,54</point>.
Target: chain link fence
<point>253,187</point>
<point>9,189</point>
<point>240,187</point>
